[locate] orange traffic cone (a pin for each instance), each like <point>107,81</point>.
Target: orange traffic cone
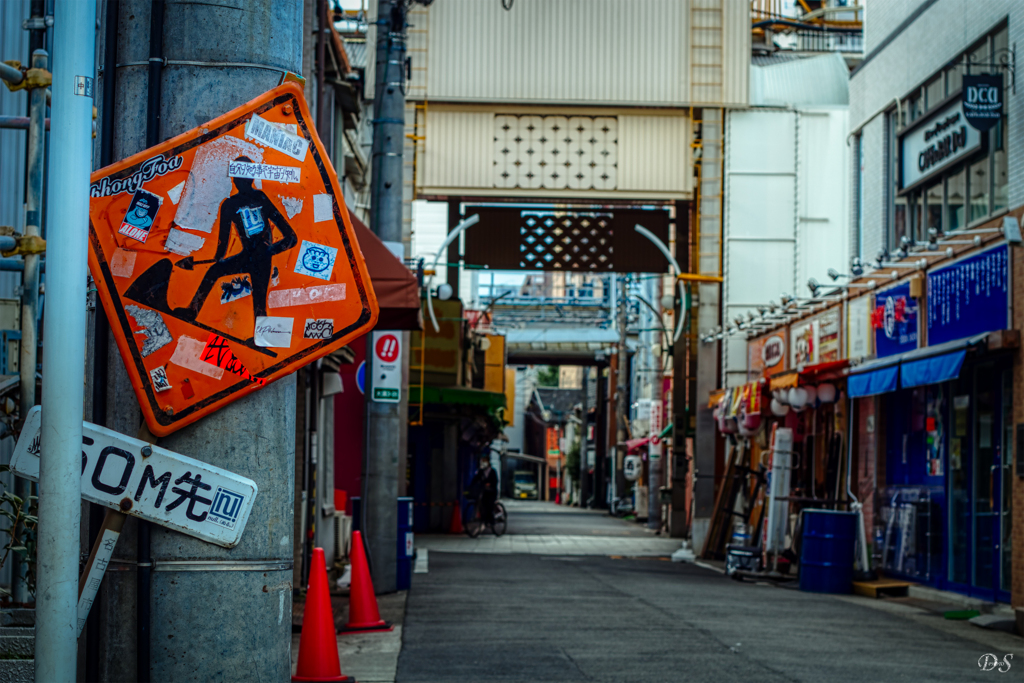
<point>363,614</point>
<point>318,645</point>
<point>456,526</point>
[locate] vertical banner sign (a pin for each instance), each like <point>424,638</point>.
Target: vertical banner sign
<point>858,339</point>
<point>969,297</point>
<point>895,321</point>
<point>828,337</point>
<point>982,99</point>
<point>654,449</point>
<point>386,366</point>
<point>224,259</point>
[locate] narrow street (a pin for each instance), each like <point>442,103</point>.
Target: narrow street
<point>542,614</point>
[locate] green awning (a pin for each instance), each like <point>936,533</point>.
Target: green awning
<point>459,396</point>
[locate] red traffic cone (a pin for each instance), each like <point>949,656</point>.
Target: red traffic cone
<point>363,614</point>
<point>456,526</point>
<point>318,645</point>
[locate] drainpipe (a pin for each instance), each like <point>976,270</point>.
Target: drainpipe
<point>60,487</point>
<point>30,280</point>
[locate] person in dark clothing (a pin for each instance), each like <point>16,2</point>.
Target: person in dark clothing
<point>485,487</point>
<point>251,214</point>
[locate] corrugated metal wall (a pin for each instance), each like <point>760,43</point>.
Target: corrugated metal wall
<point>466,150</point>
<point>605,52</point>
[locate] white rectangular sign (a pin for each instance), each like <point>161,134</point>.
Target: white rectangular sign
<point>932,146</point>
<point>164,488</point>
<point>386,366</point>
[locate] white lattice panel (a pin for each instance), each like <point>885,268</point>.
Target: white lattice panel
<point>556,152</point>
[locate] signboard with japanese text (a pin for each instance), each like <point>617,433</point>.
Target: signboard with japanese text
<point>895,321</point>
<point>828,330</point>
<point>936,143</point>
<point>858,327</point>
<point>386,366</point>
<point>768,355</point>
<point>224,259</point>
<point>970,296</point>
<point>165,488</point>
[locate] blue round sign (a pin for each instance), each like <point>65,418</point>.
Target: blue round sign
<point>361,377</point>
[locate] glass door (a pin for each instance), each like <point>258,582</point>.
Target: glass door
<point>987,441</point>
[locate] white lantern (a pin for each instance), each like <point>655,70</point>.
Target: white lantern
<point>812,396</point>
<point>778,408</point>
<point>797,398</point>
<point>781,395</point>
<point>827,393</point>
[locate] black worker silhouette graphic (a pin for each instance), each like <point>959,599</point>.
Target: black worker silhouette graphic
<point>251,214</point>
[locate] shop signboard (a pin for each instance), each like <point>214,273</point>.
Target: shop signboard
<point>151,483</point>
<point>982,99</point>
<point>386,366</point>
<point>936,143</point>
<point>768,355</point>
<point>970,296</point>
<point>858,327</point>
<point>804,344</point>
<point>225,259</point>
<point>828,330</point>
<point>895,321</point>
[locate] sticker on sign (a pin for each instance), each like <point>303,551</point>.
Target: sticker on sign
<point>165,488</point>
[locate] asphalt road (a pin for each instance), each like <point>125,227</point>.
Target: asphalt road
<point>521,617</point>
<point>533,517</point>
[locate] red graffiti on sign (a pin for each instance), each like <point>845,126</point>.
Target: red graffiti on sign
<point>217,352</point>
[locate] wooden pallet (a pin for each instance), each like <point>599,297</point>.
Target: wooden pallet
<point>882,587</point>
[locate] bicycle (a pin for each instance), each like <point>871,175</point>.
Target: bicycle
<point>473,523</point>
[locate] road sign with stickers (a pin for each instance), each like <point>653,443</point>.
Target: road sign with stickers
<point>225,259</point>
<point>146,481</point>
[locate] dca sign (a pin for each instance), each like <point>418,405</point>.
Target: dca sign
<point>982,100</point>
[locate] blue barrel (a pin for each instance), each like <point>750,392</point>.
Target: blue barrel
<point>405,544</point>
<point>827,552</point>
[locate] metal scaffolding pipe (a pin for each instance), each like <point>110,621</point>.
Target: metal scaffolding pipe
<point>60,505</point>
<point>30,277</point>
<point>10,74</point>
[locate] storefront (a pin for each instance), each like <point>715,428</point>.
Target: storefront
<point>940,393</point>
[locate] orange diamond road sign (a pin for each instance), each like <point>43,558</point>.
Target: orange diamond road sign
<point>225,259</point>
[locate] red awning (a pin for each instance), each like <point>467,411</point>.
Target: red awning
<point>824,372</point>
<point>398,292</point>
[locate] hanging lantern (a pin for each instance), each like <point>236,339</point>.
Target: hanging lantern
<point>812,396</point>
<point>827,393</point>
<point>798,398</point>
<point>779,409</point>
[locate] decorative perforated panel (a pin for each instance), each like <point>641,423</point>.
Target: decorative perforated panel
<point>556,152</point>
<point>514,238</point>
<point>566,241</point>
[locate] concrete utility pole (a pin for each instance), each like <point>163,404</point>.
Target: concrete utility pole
<point>215,613</point>
<point>60,484</point>
<point>385,421</point>
<point>621,377</point>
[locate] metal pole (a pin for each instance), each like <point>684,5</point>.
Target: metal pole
<point>60,488</point>
<point>30,279</point>
<point>194,584</point>
<point>384,421</point>
<point>620,390</point>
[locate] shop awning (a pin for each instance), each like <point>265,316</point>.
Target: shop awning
<point>932,370</point>
<point>397,290</point>
<point>874,382</point>
<point>929,365</point>
<point>458,396</point>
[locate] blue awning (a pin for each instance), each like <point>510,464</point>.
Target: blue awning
<point>874,382</point>
<point>932,370</point>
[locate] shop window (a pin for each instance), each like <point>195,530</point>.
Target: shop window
<point>933,210</point>
<point>1000,183</point>
<point>916,216</point>
<point>956,193</point>
<point>979,57</point>
<point>978,187</point>
<point>954,79</point>
<point>914,107</point>
<point>934,92</point>
<point>899,222</point>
